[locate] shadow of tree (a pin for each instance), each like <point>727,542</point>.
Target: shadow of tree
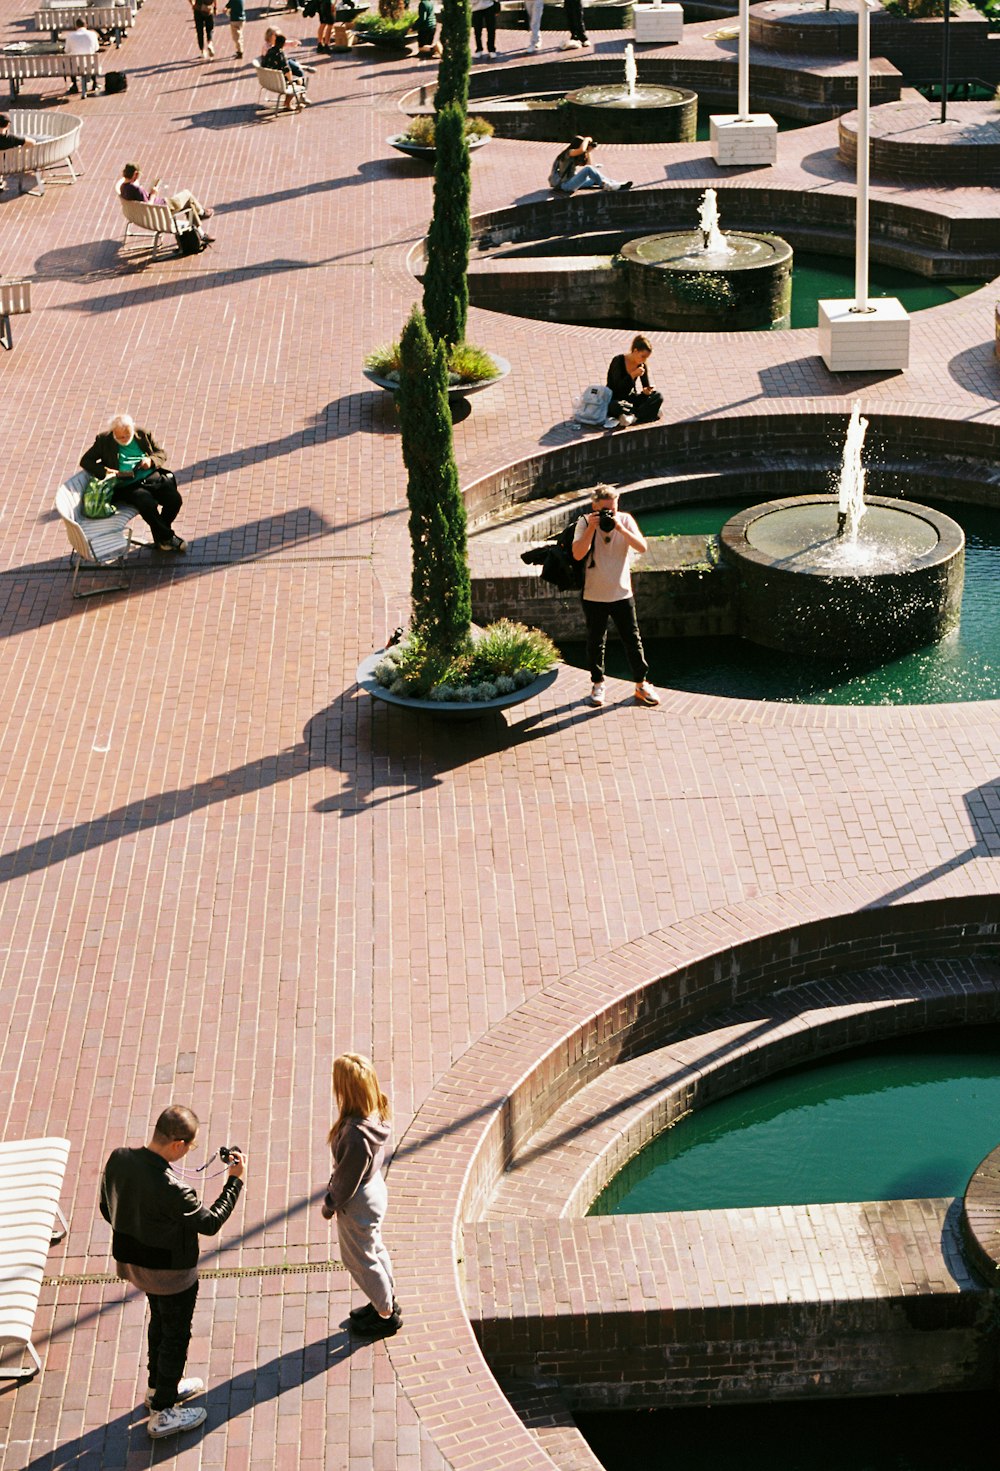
<point>975,370</point>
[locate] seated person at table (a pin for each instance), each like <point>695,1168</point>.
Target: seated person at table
<point>634,400</point>
<point>143,479</point>
<point>13,140</point>
<point>81,42</point>
<point>182,199</point>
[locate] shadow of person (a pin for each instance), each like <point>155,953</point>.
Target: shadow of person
<point>975,370</point>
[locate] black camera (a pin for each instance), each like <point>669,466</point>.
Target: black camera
<point>606,519</point>
<point>227,1151</point>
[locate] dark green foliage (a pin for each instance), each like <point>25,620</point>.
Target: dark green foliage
<point>453,68</point>
<point>446,286</point>
<point>440,589</point>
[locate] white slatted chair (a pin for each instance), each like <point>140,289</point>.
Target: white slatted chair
<point>57,138</point>
<point>274,81</point>
<point>98,546</point>
<point>15,301</point>
<point>18,68</point>
<point>31,1177</point>
<point>153,219</point>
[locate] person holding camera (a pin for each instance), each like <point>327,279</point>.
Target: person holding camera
<point>156,1220</point>
<point>572,169</point>
<point>356,1192</point>
<point>609,538</point>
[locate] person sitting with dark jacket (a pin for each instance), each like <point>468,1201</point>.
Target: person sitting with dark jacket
<point>143,480</point>
<point>274,59</point>
<point>634,400</point>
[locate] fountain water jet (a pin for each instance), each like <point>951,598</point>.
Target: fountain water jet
<point>870,579</point>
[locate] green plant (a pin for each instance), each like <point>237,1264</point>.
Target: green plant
<point>505,657</point>
<point>440,588</point>
<point>466,364</point>
<point>453,68</point>
<point>386,26</point>
<point>706,288</point>
<point>507,648</point>
<point>446,286</point>
<point>421,130</point>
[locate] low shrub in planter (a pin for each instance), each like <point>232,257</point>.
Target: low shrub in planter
<point>386,28</point>
<point>498,660</point>
<point>466,364</point>
<point>421,130</point>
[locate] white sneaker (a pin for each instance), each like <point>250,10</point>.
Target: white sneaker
<point>170,1422</point>
<point>596,694</point>
<point>480,55</point>
<point>625,421</point>
<point>611,423</point>
<point>210,48</point>
<point>491,56</point>
<point>646,695</point>
<point>186,1389</point>
<point>535,46</point>
<point>572,45</point>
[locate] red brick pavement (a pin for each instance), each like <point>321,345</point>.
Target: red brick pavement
<point>221,864</point>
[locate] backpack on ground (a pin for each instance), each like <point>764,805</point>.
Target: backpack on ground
<point>559,566</point>
<point>190,242</point>
<point>115,82</point>
<point>593,404</point>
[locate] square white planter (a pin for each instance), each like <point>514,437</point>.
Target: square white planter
<point>660,24</point>
<point>857,342</point>
<point>739,141</point>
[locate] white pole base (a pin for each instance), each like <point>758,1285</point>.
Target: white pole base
<point>858,342</point>
<point>737,141</point>
<point>659,24</point>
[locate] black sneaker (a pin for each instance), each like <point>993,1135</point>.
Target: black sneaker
<point>627,184</point>
<point>357,1315</point>
<point>378,1327</point>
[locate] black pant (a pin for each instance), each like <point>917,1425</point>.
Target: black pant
<point>622,615</point>
<point>644,406</point>
<point>574,19</point>
<point>205,28</point>
<point>487,18</point>
<point>158,489</point>
<point>169,1336</point>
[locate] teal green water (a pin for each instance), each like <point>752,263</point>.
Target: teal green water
<point>912,1118</point>
<point>940,1432</point>
<point>815,277</point>
<point>965,666</point>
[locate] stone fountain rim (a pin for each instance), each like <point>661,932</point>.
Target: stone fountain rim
<point>683,98</point>
<point>786,253</point>
<point>951,538</point>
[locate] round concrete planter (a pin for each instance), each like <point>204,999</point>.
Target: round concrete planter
<point>455,390</point>
<point>402,144</point>
<point>450,709</point>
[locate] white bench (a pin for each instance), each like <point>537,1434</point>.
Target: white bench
<point>31,1177</point>
<point>15,300</point>
<point>108,18</point>
<point>20,68</point>
<point>57,138</point>
<point>154,219</point>
<point>274,81</point>
<point>98,546</point>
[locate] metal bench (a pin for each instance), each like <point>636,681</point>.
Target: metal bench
<point>98,546</point>
<point>274,81</point>
<point>17,68</point>
<point>57,138</point>
<point>15,300</point>
<point>154,219</point>
<point>108,19</point>
<point>31,1177</point>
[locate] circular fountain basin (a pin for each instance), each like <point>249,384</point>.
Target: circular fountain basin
<point>674,282</point>
<point>804,590</point>
<point>650,115</point>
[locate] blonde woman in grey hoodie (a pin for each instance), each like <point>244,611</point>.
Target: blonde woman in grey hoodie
<point>356,1194</point>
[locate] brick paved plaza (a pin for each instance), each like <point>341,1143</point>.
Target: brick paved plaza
<point>222,864</point>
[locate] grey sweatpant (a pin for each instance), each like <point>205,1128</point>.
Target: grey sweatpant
<point>362,1250</point>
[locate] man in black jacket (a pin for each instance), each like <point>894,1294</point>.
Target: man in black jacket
<point>156,1220</point>
<point>142,479</point>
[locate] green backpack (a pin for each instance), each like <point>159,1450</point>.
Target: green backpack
<point>97,504</point>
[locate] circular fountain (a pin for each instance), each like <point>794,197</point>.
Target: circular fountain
<point>705,279</point>
<point>633,113</point>
<point>844,577</point>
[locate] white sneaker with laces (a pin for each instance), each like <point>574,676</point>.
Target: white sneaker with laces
<point>646,695</point>
<point>186,1389</point>
<point>596,694</point>
<point>170,1422</point>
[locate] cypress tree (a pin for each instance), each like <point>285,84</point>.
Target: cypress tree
<point>440,588</point>
<point>453,68</point>
<point>446,286</point>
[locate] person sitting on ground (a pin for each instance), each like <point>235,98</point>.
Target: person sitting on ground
<point>573,169</point>
<point>13,140</point>
<point>82,42</point>
<point>634,400</point>
<point>274,59</point>
<point>143,479</point>
<point>180,201</point>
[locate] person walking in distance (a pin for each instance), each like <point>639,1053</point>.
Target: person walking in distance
<point>156,1220</point>
<point>608,539</point>
<point>356,1192</point>
<point>204,25</point>
<point>237,19</point>
<point>578,39</point>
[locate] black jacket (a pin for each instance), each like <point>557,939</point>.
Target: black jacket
<point>155,1218</point>
<point>102,457</point>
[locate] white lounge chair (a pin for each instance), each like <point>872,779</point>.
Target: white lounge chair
<point>98,546</point>
<point>31,1177</point>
